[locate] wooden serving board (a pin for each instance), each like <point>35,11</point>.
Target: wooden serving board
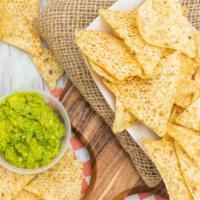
<point>113,176</point>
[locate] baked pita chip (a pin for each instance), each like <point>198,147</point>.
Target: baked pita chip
<point>12,183</point>
<point>188,139</point>
<point>190,118</point>
<point>64,181</point>
<point>124,24</point>
<point>162,23</point>
<point>190,172</point>
<point>109,53</point>
<point>163,155</point>
<point>25,195</point>
<point>151,101</point>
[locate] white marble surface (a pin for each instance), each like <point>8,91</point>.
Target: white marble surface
<point>17,72</point>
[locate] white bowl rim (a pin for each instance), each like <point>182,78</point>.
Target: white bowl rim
<point>65,141</point>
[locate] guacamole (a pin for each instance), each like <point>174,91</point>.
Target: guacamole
<point>30,132</point>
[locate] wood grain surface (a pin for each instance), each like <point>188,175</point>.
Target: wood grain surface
<point>114,176</point>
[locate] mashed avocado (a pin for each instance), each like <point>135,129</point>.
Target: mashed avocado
<point>30,132</point>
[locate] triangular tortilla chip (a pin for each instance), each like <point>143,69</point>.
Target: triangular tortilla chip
<point>17,29</point>
<point>151,101</point>
<point>48,67</point>
<point>101,72</point>
<point>190,172</point>
<point>188,139</point>
<point>123,118</point>
<point>163,155</point>
<point>124,24</point>
<point>27,8</point>
<point>190,118</point>
<point>109,53</point>
<point>11,183</point>
<point>63,181</point>
<point>162,23</point>
<point>196,96</point>
<point>189,67</point>
<point>176,111</point>
<point>197,41</point>
<point>25,195</point>
<point>187,86</point>
<point>185,92</point>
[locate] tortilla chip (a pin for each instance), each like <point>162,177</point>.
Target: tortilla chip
<point>197,81</point>
<point>176,111</point>
<point>48,67</point>
<point>162,23</point>
<point>184,101</point>
<point>197,77</point>
<point>64,181</point>
<point>185,93</point>
<point>109,53</point>
<point>189,67</point>
<point>11,183</point>
<point>25,195</point>
<point>163,155</point>
<point>196,96</point>
<point>123,118</point>
<point>187,86</point>
<point>18,30</point>
<point>197,40</point>
<point>101,72</point>
<point>190,118</point>
<point>188,139</point>
<point>185,11</point>
<point>27,8</point>
<point>20,35</point>
<point>151,101</point>
<point>124,24</point>
<point>190,172</point>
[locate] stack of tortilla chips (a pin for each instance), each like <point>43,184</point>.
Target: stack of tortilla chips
<point>16,28</point>
<point>151,63</point>
<point>62,182</point>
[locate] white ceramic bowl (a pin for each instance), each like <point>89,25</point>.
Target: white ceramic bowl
<point>62,114</point>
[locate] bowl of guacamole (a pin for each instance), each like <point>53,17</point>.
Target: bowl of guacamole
<point>34,130</point>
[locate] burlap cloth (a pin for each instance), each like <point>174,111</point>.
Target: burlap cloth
<point>56,25</point>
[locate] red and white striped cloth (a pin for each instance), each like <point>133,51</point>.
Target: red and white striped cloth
<point>82,155</point>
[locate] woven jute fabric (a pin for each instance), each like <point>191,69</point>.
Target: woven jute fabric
<point>56,24</point>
